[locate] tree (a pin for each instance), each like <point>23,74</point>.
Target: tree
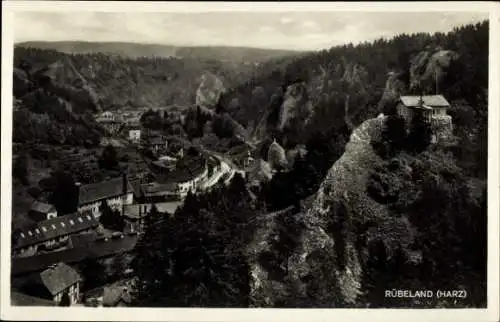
<point>420,134</point>
<point>20,168</point>
<point>108,159</point>
<point>65,300</point>
<point>110,218</point>
<point>65,194</point>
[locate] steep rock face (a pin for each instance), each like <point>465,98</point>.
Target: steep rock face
<point>318,249</point>
<point>21,82</point>
<point>209,90</point>
<point>355,75</point>
<point>68,82</point>
<point>429,67</point>
<point>296,108</point>
<point>345,184</point>
<point>394,88</point>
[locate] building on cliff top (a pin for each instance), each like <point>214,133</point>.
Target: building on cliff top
<point>431,106</point>
<point>434,110</point>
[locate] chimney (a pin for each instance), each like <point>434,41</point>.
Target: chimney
<point>78,185</point>
<point>124,182</point>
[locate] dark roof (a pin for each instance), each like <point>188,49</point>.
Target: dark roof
<point>135,211</point>
<point>169,207</point>
<point>155,188</point>
<point>97,249</point>
<point>115,294</point>
<point>53,228</point>
<point>42,207</point>
<point>59,278</point>
<point>186,169</point>
<point>82,239</point>
<point>429,100</point>
<point>102,190</point>
<point>157,141</point>
<point>21,299</point>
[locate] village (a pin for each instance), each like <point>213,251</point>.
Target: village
<point>50,256</point>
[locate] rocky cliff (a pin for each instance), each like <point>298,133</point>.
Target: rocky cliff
<point>209,90</point>
<point>343,188</point>
<point>429,68</point>
<point>296,108</point>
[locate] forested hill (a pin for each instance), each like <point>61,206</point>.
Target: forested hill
<point>412,217</point>
<point>348,82</point>
<point>136,50</point>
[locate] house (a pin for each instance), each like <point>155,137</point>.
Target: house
<point>136,213</point>
<point>53,233</point>
<point>134,135</point>
<point>116,296</point>
<point>156,143</point>
<point>101,247</point>
<point>59,283</point>
<point>116,192</point>
<point>42,211</point>
<point>431,107</point>
<point>189,175</point>
<point>105,117</point>
<point>61,280</point>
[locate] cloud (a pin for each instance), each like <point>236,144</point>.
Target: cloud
<point>286,20</point>
<point>310,25</point>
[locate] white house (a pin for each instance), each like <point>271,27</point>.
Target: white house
<point>134,135</point>
<point>431,107</point>
<point>61,280</point>
<point>115,192</point>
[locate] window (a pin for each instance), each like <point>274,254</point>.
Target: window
<point>53,226</point>
<point>62,224</point>
<point>37,231</point>
<point>30,233</point>
<point>71,222</point>
<point>88,217</point>
<point>44,229</point>
<point>80,219</point>
<point>22,235</point>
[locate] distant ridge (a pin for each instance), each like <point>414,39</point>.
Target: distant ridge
<point>136,50</point>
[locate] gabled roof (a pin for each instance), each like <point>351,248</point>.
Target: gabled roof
<point>42,207</point>
<point>53,228</point>
<point>93,250</point>
<point>59,278</point>
<point>21,299</point>
<point>429,100</point>
<point>115,294</point>
<point>102,190</point>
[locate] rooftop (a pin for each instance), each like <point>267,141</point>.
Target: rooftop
<point>21,299</point>
<point>429,100</point>
<point>59,278</point>
<point>102,190</point>
<point>42,207</point>
<point>97,249</point>
<point>53,228</point>
<point>186,169</point>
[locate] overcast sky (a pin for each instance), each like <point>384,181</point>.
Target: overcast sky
<point>287,30</point>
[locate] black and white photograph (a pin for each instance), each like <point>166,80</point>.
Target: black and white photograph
<point>271,159</point>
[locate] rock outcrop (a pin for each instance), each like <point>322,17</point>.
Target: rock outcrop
<point>296,108</point>
<point>394,88</point>
<point>429,67</point>
<point>209,90</point>
<point>345,184</point>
